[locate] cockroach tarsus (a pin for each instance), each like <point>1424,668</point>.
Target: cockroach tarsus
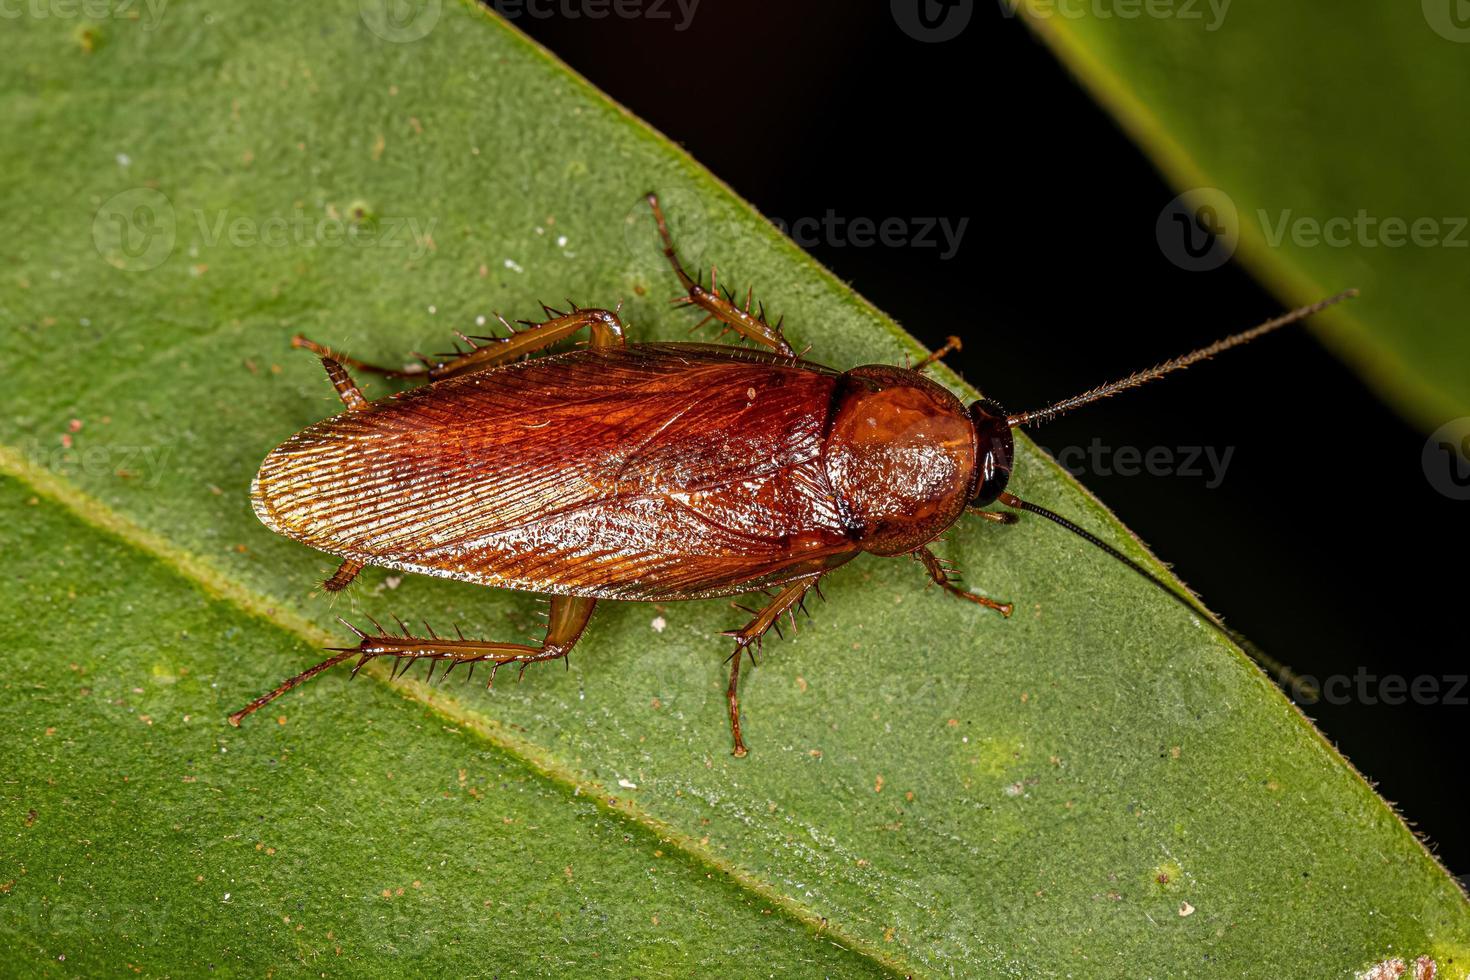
<point>646,472</point>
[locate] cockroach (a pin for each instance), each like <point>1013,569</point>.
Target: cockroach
<point>646,472</point>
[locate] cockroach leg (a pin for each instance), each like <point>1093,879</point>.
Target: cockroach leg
<point>302,343</point>
<point>788,600</point>
<point>566,623</point>
<point>752,326</point>
<point>951,345</point>
<point>996,516</point>
<point>942,579</point>
<point>286,685</point>
<point>347,389</point>
<point>343,576</point>
<point>605,327</point>
<point>566,620</point>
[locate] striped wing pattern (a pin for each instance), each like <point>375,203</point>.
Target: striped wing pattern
<point>641,472</point>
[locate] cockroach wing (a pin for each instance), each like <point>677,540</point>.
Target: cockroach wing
<point>670,471</point>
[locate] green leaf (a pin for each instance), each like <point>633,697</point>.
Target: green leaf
<point>143,832</point>
<point>1099,786</point>
<point>1321,140</point>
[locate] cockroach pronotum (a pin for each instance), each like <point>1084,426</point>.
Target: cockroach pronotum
<point>647,472</point>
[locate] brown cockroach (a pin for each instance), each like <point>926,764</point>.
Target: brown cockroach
<point>647,472</point>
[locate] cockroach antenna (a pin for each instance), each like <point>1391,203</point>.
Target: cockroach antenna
<point>1176,364</point>
<point>1284,675</point>
<point>1133,381</point>
<point>1188,600</point>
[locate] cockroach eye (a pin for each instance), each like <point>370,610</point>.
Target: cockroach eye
<point>995,445</point>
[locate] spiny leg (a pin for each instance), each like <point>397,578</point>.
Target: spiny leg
<point>489,352</point>
<point>289,683</point>
<point>942,579</point>
<point>788,600</point>
<point>347,389</point>
<point>951,344</point>
<point>343,576</point>
<point>565,621</point>
<point>748,325</point>
<point>331,354</point>
<point>605,328</point>
<point>565,624</point>
<point>353,398</point>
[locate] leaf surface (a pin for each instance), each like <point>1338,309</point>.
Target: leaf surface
<point>1098,786</point>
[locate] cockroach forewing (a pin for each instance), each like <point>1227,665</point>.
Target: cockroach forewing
<point>641,472</point>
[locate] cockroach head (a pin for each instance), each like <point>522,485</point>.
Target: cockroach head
<point>995,447</point>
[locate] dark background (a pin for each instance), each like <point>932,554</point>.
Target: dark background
<point>1316,545</point>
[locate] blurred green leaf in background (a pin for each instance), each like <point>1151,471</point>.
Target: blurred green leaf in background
<point>1315,187</point>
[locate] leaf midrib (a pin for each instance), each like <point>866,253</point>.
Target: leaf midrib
<point>528,753</point>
